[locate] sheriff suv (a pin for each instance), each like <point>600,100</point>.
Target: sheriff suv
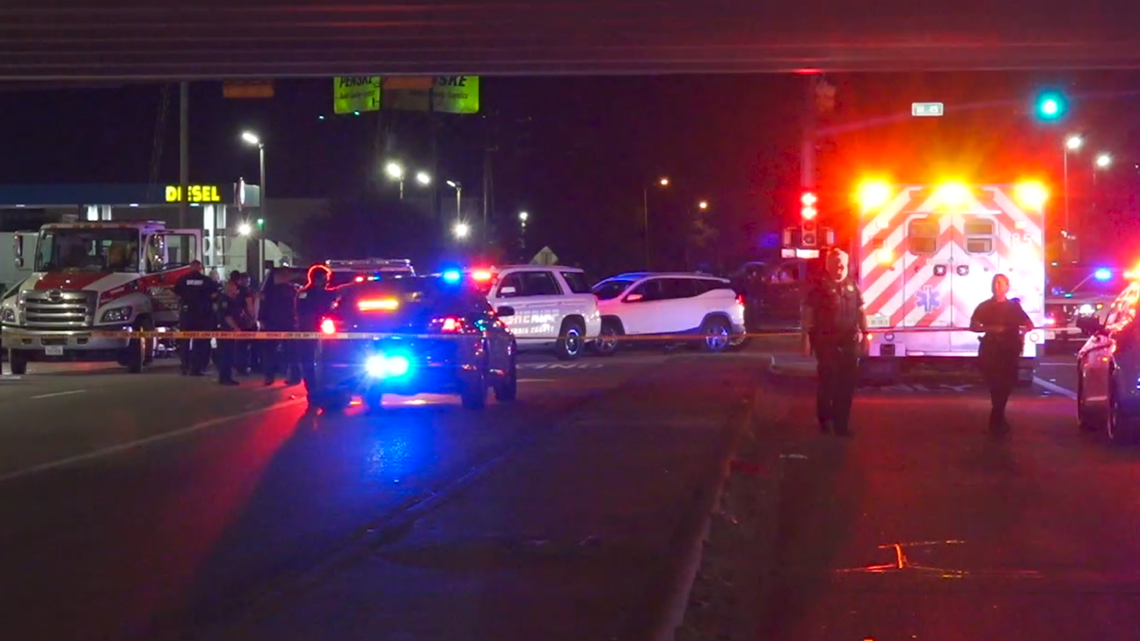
<point>554,308</point>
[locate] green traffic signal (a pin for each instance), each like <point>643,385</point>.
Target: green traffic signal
<point>1051,105</point>
<point>260,223</point>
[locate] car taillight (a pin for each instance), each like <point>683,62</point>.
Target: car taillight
<point>329,326</point>
<point>1050,321</point>
<point>740,300</point>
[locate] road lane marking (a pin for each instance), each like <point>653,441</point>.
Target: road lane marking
<point>150,440</point>
<point>54,394</point>
<point>1055,388</point>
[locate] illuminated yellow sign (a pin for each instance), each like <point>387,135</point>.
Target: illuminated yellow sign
<point>197,194</point>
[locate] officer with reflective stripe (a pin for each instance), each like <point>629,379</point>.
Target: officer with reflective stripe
<point>835,329</point>
<point>196,293</point>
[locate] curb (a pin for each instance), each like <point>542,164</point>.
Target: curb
<point>677,599</point>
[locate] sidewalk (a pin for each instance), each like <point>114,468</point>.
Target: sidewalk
<point>581,536</point>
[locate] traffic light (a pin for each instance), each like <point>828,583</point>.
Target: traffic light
<point>1051,105</point>
<point>809,236</point>
<point>261,223</point>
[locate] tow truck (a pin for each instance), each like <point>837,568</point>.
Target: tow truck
<point>926,256</point>
<point>95,276</point>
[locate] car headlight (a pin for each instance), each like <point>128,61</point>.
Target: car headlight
<point>7,315</point>
<point>117,315</point>
<point>1086,310</point>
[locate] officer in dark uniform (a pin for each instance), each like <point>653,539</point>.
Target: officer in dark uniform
<point>835,329</point>
<point>196,293</point>
<point>228,308</point>
<point>279,314</point>
<point>1004,323</point>
<point>313,302</point>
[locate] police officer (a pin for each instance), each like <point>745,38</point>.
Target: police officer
<point>196,293</point>
<point>835,329</point>
<point>228,308</point>
<point>313,302</point>
<point>1004,322</point>
<point>279,314</point>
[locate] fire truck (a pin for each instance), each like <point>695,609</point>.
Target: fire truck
<point>95,276</point>
<point>926,256</point>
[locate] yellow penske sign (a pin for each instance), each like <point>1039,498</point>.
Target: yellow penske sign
<point>356,93</point>
<point>448,94</point>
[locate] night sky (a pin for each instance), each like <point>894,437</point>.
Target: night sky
<point>575,152</point>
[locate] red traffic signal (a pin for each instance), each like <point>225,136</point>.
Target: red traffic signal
<point>807,205</point>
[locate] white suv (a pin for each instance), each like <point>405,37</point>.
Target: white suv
<point>669,304</point>
<point>554,308</point>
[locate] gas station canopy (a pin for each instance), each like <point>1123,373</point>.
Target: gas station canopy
<point>237,194</point>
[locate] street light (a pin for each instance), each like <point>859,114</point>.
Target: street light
<point>662,182</point>
<point>461,230</point>
<point>1072,144</point>
<point>458,198</point>
<point>522,217</point>
<point>1103,161</point>
<point>704,204</point>
<point>423,178</point>
<point>263,202</point>
<point>244,229</point>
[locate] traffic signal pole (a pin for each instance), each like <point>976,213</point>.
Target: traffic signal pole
<point>807,149</point>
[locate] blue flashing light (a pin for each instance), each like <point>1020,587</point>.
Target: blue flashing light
<point>452,275</point>
<point>1103,274</point>
<point>382,366</point>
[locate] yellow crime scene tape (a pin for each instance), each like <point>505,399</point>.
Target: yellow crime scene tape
<point>279,336</point>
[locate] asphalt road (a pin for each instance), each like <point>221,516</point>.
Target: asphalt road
<point>923,526</point>
<point>158,506</point>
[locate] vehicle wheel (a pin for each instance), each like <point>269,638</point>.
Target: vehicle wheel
<point>718,335</point>
<point>607,343</point>
<point>18,362</point>
<point>508,388</point>
<point>139,351</point>
<point>1083,420</point>
<point>1121,429</point>
<point>474,392</point>
<point>571,341</point>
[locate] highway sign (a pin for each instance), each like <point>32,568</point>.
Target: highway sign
<point>356,93</point>
<point>450,94</point>
<point>927,109</point>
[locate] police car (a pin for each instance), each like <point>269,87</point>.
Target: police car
<point>439,336</point>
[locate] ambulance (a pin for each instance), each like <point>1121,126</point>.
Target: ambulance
<point>925,257</point>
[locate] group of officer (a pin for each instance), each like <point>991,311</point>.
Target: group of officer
<point>834,329</point>
<point>282,305</point>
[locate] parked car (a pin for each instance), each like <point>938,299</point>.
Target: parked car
<point>672,306</point>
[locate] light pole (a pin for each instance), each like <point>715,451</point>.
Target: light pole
<point>458,198</point>
<point>662,182</point>
<point>396,172</point>
<point>1072,143</point>
<point>263,202</point>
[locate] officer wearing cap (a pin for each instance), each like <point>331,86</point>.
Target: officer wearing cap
<point>835,329</point>
<point>196,314</point>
